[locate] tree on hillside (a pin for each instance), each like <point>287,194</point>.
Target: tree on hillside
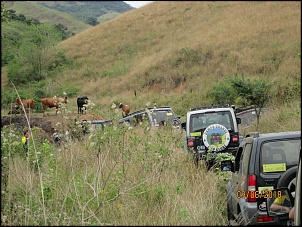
<point>256,93</point>
<point>222,93</point>
<point>36,53</point>
<point>92,21</point>
<point>5,15</point>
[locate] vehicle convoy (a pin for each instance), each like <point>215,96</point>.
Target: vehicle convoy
<point>153,117</point>
<point>263,163</point>
<point>211,130</point>
<point>294,201</point>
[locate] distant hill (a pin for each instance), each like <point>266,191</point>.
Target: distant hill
<point>75,15</point>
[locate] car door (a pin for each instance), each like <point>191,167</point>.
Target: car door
<point>233,197</point>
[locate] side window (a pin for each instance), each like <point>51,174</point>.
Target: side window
<point>238,159</point>
<point>145,118</point>
<point>245,159</point>
<point>137,120</point>
<point>279,155</point>
<point>224,120</point>
<point>128,122</point>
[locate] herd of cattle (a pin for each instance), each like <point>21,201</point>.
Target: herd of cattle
<point>56,102</point>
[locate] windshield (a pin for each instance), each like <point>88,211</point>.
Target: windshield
<point>200,121</point>
<point>278,156</point>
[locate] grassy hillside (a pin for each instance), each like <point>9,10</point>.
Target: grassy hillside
<point>174,58</point>
<point>87,9</point>
<point>72,14</point>
<point>47,15</point>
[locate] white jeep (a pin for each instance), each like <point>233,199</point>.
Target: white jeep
<point>211,130</point>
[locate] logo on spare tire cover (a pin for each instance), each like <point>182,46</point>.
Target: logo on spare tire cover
<point>216,137</point>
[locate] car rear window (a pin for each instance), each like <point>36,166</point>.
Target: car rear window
<point>163,115</point>
<point>278,156</point>
<point>201,121</point>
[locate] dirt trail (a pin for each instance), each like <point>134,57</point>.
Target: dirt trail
<point>48,123</point>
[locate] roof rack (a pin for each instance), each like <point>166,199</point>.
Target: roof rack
<point>148,108</point>
<point>210,107</point>
<point>158,107</point>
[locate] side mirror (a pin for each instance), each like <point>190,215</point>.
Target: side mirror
<point>238,119</point>
<point>279,202</point>
<point>227,165</point>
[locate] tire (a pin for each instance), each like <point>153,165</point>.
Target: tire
<point>288,179</point>
<point>231,217</point>
<point>196,160</point>
<point>176,124</point>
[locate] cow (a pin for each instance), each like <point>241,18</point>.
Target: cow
<point>125,108</point>
<point>52,102</point>
<point>27,103</point>
<point>82,102</point>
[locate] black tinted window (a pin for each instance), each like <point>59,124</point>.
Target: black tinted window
<point>278,156</point>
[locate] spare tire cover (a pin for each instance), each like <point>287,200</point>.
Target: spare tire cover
<point>216,137</point>
<point>288,179</point>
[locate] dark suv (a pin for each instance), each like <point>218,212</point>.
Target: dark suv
<point>153,117</point>
<point>260,161</point>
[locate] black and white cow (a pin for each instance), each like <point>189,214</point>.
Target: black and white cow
<point>82,103</point>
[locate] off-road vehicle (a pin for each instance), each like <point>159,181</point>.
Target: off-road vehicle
<point>153,117</point>
<point>263,162</point>
<point>211,130</point>
<point>94,125</point>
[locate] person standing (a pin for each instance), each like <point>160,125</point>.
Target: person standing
<point>25,141</point>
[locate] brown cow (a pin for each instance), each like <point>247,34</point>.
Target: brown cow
<point>27,103</point>
<point>52,102</point>
<point>125,108</point>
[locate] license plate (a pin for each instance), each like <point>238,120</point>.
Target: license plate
<point>289,223</point>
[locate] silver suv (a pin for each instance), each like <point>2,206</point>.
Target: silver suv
<point>153,117</point>
<point>211,130</point>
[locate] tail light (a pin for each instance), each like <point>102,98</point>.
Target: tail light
<point>265,218</point>
<point>251,188</point>
<point>190,143</point>
<point>235,139</point>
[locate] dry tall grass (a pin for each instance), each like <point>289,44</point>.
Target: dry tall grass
<point>132,177</point>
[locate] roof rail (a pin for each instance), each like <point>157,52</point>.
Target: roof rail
<point>252,134</point>
<point>158,107</point>
<point>145,109</point>
<point>209,107</point>
<point>133,113</point>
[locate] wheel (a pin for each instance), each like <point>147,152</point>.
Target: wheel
<point>196,160</point>
<point>239,220</point>
<point>176,124</point>
<point>231,217</point>
<point>288,179</point>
